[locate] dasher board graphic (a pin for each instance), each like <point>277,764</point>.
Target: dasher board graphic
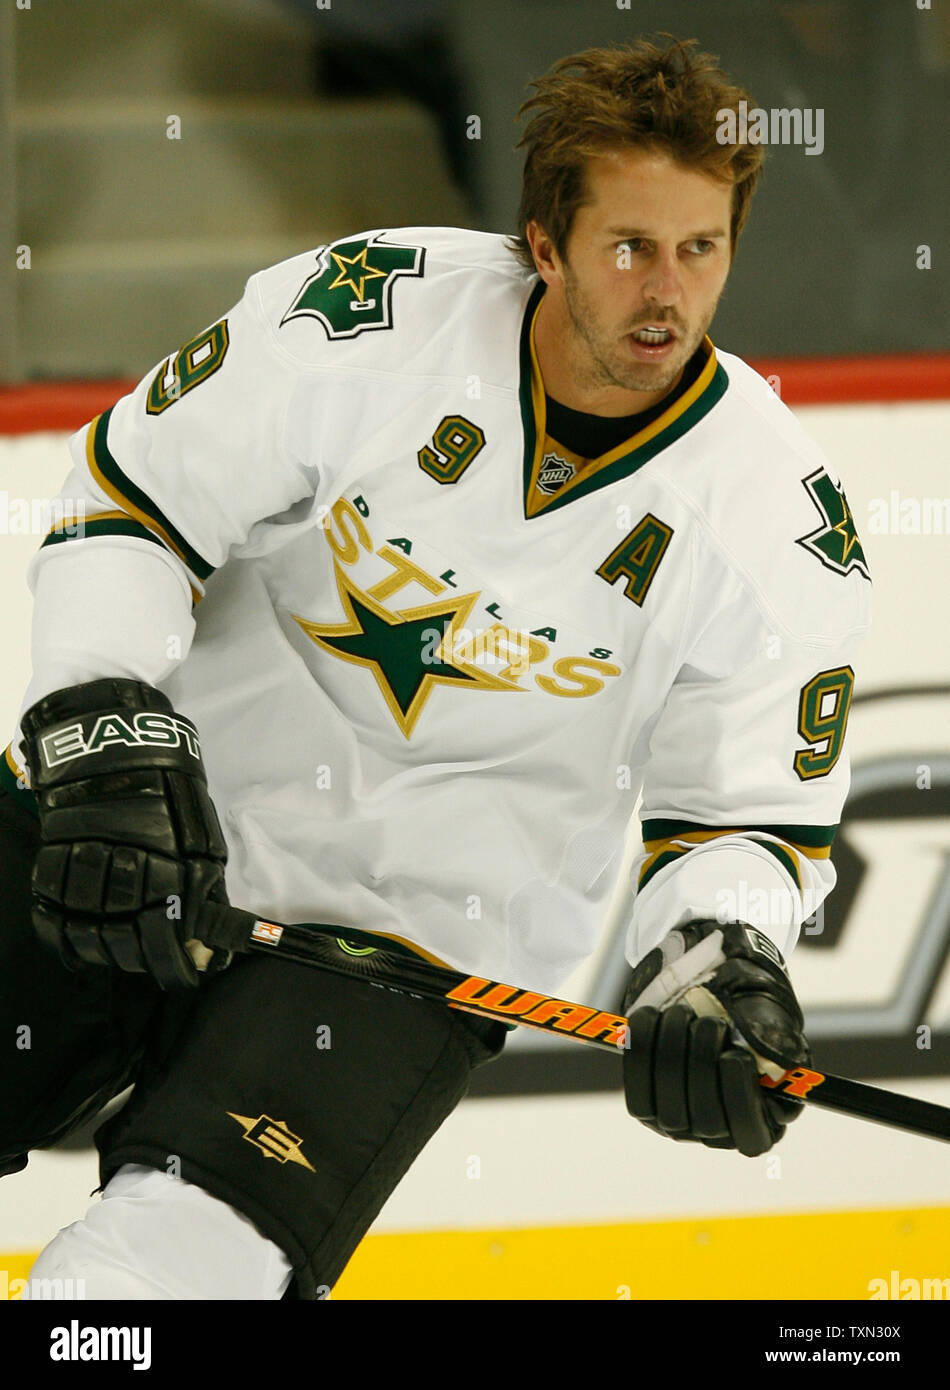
<point>873,972</point>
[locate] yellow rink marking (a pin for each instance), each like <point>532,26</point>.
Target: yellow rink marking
<point>795,1255</point>
<point>824,1255</point>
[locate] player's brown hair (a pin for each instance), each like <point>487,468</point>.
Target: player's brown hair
<point>633,96</point>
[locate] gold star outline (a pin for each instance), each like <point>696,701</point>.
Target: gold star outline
<point>847,530</point>
<point>345,277</point>
<point>456,608</point>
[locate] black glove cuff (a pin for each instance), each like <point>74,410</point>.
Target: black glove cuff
<point>106,726</point>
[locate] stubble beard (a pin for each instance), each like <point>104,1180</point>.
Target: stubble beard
<point>596,356</point>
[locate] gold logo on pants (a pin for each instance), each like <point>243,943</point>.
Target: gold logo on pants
<point>273,1138</point>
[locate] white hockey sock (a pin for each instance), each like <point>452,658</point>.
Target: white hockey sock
<point>157,1237</point>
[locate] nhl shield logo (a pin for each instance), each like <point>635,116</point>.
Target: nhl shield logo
<point>554,473</point>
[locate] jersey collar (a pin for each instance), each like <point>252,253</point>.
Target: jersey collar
<point>686,411</point>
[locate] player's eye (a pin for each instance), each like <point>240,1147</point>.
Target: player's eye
<point>699,246</point>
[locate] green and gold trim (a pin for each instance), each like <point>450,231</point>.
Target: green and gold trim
<point>99,524</point>
<point>685,412</point>
<point>668,840</point>
<point>813,840</point>
<point>134,502</point>
<point>73,528</point>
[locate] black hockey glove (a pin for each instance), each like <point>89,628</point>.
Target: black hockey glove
<point>131,844</point>
<point>691,1003</point>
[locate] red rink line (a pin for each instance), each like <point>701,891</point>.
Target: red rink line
<point>847,380</point>
<point>56,405</point>
<point>801,381</point>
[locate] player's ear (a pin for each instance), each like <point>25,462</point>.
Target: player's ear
<point>546,259</point>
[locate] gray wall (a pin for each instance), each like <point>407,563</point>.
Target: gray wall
<point>301,124</point>
<point>827,262</point>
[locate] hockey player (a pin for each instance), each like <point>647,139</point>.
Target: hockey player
<point>442,545</point>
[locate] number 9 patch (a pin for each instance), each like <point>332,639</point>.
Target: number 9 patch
<point>822,719</point>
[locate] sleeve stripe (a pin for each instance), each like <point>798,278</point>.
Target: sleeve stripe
<point>663,852</point>
<point>132,500</point>
<point>813,840</point>
<point>787,860</point>
<point>110,524</point>
<point>658,861</point>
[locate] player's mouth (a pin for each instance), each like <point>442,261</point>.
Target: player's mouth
<point>652,342</point>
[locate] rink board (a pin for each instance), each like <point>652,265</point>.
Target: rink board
<point>562,1195</point>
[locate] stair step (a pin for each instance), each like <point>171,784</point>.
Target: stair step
<point>100,170</point>
<point>130,48</point>
<point>116,309</point>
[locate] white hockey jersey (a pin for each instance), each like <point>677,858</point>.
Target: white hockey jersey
<point>431,654</point>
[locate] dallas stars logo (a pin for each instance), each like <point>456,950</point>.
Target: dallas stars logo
<point>354,271</point>
<point>835,541</point>
<point>409,652</point>
<point>353,287</point>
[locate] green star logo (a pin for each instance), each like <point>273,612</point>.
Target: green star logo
<point>835,541</point>
<point>354,272</point>
<point>409,652</point>
<point>352,289</point>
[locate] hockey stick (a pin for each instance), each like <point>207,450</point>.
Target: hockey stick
<point>345,951</point>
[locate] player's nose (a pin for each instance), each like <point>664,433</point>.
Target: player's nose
<point>661,285</point>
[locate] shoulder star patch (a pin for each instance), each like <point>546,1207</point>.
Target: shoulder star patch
<point>835,541</point>
<point>352,289</point>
